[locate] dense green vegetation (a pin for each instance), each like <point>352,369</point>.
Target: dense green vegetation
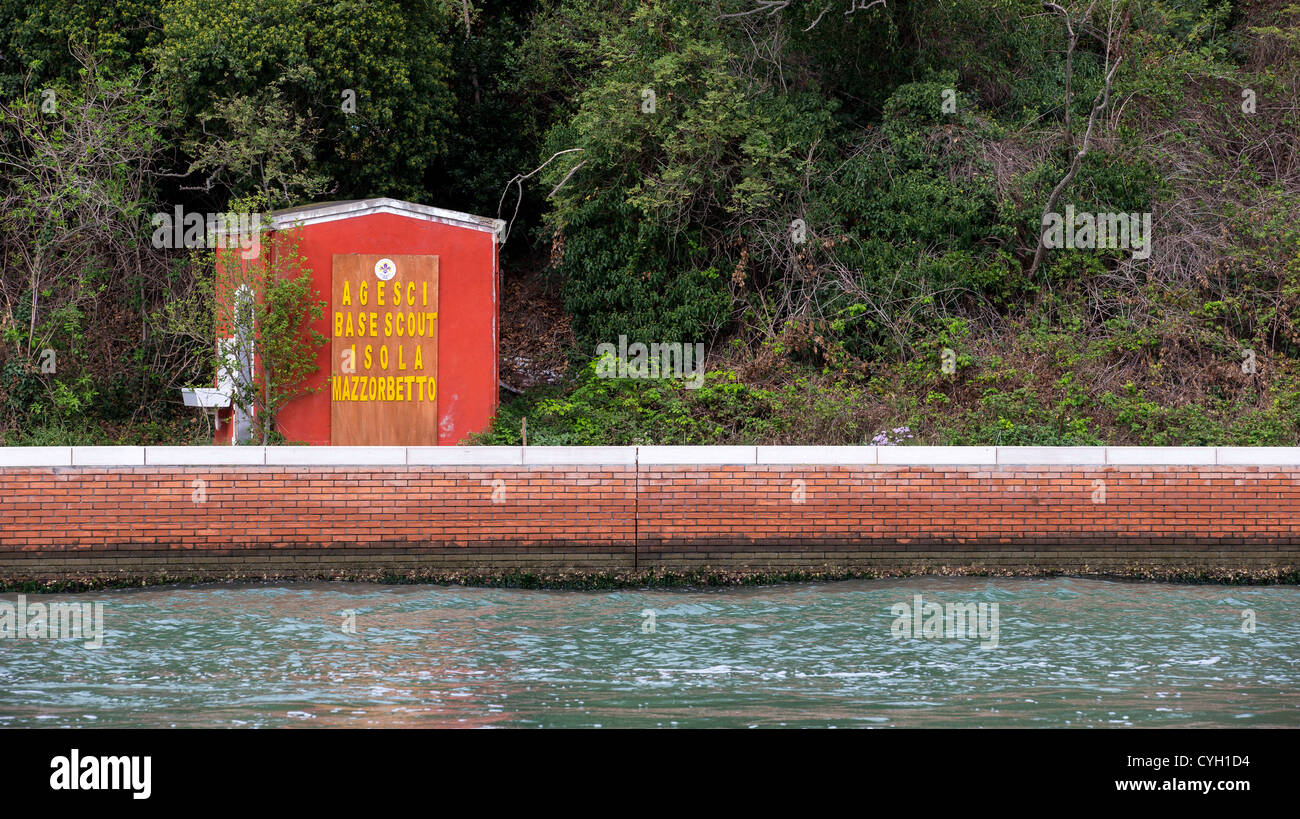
<point>829,194</point>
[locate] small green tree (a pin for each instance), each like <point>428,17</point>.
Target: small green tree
<point>254,316</point>
<point>266,305</point>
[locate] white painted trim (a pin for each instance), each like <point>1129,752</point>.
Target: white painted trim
<point>307,215</point>
<point>126,456</point>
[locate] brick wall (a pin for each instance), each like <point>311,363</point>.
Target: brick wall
<point>290,511</point>
<point>1007,517</point>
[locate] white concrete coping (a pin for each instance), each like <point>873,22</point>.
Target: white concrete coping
<point>464,455</point>
<point>817,454</point>
<point>1160,455</point>
<point>1261,455</point>
<point>579,455</point>
<point>35,456</point>
<point>108,456</point>
<point>204,455</point>
<point>335,455</point>
<point>126,456</point>
<point>1065,455</point>
<point>666,455</point>
<point>945,455</point>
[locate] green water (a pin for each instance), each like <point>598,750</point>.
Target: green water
<point>1070,653</point>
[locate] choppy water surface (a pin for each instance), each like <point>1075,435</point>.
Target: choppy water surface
<point>1070,653</point>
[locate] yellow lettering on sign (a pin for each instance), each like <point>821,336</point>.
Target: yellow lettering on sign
<point>397,316</point>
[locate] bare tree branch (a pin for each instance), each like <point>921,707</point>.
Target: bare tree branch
<point>518,181</point>
<point>773,6</point>
<point>1099,104</point>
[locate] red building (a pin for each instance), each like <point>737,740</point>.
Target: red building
<point>410,297</point>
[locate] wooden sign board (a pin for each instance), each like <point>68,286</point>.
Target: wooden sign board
<point>384,375</point>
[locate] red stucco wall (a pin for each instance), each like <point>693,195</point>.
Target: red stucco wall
<point>467,318</point>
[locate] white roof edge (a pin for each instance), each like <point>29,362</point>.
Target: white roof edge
<point>1045,457</point>
<point>309,215</point>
